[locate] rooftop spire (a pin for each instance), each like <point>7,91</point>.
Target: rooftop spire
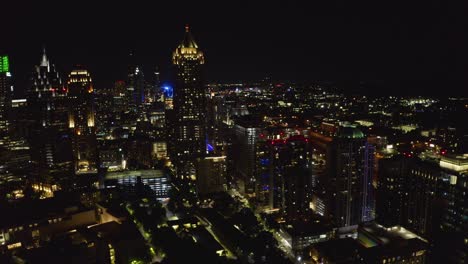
<point>188,47</point>
<point>188,41</point>
<point>44,61</point>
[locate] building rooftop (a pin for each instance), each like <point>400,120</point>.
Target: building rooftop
<point>135,173</point>
<point>457,163</point>
<point>374,234</point>
<point>310,227</point>
<point>378,242</point>
<point>336,250</point>
<point>37,211</point>
<point>350,132</point>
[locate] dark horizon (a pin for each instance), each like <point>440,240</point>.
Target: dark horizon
<point>401,50</point>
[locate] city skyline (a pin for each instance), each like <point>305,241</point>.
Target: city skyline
<point>385,48</point>
<point>259,133</point>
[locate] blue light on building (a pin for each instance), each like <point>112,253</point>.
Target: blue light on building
<point>209,147</point>
<point>168,91</point>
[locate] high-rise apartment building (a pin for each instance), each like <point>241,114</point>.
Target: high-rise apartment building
<point>211,174</point>
<point>345,191</point>
<point>290,176</point>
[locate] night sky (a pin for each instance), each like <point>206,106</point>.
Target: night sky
<point>389,48</point>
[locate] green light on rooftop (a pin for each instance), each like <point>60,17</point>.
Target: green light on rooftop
<point>4,64</point>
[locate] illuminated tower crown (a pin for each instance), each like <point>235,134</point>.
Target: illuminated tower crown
<point>187,50</point>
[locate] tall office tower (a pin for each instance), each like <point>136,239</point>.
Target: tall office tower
<point>245,146</point>
<point>290,176</point>
<point>407,194</point>
<point>157,92</point>
<point>152,92</point>
<point>452,239</point>
<point>44,96</point>
<point>48,107</point>
<point>392,193</point>
<point>139,87</point>
<point>189,107</point>
<point>119,89</point>
<point>81,120</point>
<point>6,90</point>
<point>135,83</point>
<point>424,208</point>
<point>428,199</point>
<point>212,127</point>
<point>130,88</point>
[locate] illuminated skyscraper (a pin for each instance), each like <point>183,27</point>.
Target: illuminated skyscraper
<point>157,93</point>
<point>290,177</point>
<point>46,96</point>
<point>351,178</point>
<point>135,83</point>
<point>48,108</point>
<point>139,87</point>
<point>189,107</point>
<point>81,120</point>
<point>6,90</point>
<point>345,192</point>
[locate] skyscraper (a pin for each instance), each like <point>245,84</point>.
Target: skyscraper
<point>48,108</point>
<point>46,88</point>
<point>245,145</point>
<point>346,192</point>
<point>135,83</point>
<point>291,176</point>
<point>352,178</point>
<point>189,107</point>
<point>6,90</point>
<point>139,94</point>
<point>429,199</point>
<point>81,120</point>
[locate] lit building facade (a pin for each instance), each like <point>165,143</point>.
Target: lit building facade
<point>407,194</point>
<point>157,180</point>
<point>6,90</point>
<point>139,88</point>
<point>189,129</point>
<point>47,104</point>
<point>245,147</point>
<point>44,95</point>
<point>82,120</point>
<point>135,84</point>
<point>353,178</point>
<point>347,193</point>
<point>211,175</point>
<point>390,245</point>
<point>290,177</point>
<point>429,199</point>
